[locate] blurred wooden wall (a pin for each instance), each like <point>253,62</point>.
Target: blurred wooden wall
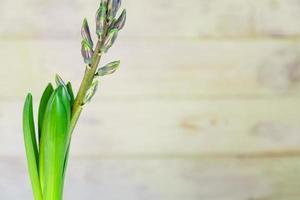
<point>206,104</point>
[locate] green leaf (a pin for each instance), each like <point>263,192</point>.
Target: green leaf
<point>31,147</point>
<point>66,100</point>
<point>42,107</point>
<point>91,92</point>
<point>108,68</point>
<point>71,93</point>
<point>59,81</point>
<point>54,144</point>
<point>74,120</point>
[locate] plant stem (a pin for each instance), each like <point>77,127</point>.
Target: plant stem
<point>84,86</point>
<point>87,79</point>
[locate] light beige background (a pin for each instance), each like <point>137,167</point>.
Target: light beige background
<point>206,104</point>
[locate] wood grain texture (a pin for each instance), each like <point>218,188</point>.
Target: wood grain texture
<point>205,104</point>
<point>172,127</point>
<point>175,179</point>
<point>163,68</point>
<point>176,18</point>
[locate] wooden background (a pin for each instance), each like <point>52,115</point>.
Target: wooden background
<point>206,104</point>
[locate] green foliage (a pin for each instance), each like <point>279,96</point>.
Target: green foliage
<point>70,91</point>
<point>47,164</point>
<point>42,107</point>
<point>31,148</point>
<point>54,142</point>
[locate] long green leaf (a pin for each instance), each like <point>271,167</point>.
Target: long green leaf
<point>31,147</point>
<point>59,82</point>
<point>42,107</point>
<point>70,132</point>
<point>54,143</point>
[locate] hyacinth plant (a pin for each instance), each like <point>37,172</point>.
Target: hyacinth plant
<point>47,152</point>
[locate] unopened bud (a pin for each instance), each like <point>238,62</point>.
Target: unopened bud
<point>109,40</point>
<point>101,19</point>
<point>87,52</point>
<point>85,33</point>
<point>113,7</point>
<point>119,24</point>
<point>108,69</point>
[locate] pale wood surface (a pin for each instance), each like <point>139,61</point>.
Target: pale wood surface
<point>205,105</point>
<point>161,179</point>
<point>155,18</point>
<point>164,126</point>
<point>160,68</point>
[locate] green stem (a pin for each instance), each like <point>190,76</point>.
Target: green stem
<point>87,79</point>
<point>85,84</point>
<point>78,104</point>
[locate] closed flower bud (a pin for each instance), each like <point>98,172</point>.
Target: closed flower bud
<point>120,22</point>
<point>109,40</point>
<point>113,7</point>
<point>91,92</point>
<point>85,33</point>
<point>87,52</point>
<point>108,69</point>
<point>101,19</point>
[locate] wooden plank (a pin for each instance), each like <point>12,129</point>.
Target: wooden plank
<point>159,68</point>
<point>175,179</point>
<point>173,127</point>
<point>191,18</point>
<point>277,18</point>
